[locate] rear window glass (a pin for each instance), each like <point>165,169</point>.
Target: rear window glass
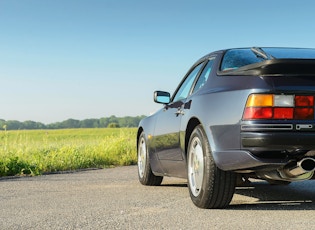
<point>236,58</point>
<point>233,59</point>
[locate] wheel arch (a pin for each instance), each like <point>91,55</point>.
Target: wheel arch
<point>140,130</point>
<point>209,186</point>
<point>193,122</point>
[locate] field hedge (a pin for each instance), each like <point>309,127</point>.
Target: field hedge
<point>34,152</point>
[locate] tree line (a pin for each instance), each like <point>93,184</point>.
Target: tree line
<point>105,122</point>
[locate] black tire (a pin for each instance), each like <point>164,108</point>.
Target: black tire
<point>145,174</point>
<point>209,186</point>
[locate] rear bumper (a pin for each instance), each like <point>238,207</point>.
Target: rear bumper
<point>239,160</point>
<point>254,144</point>
<point>277,141</point>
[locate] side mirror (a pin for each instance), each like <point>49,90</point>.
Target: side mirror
<point>162,97</point>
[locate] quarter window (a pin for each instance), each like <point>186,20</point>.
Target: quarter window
<point>184,89</point>
<point>204,75</point>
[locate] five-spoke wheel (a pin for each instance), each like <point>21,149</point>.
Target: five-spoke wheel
<point>209,186</point>
<point>145,174</point>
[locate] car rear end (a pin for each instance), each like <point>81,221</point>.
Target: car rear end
<point>278,126</point>
<point>281,126</point>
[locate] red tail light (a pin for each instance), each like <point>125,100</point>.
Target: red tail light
<point>285,107</point>
<point>304,101</point>
<point>257,113</point>
<point>304,113</point>
<point>283,113</point>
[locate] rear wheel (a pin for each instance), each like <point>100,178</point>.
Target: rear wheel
<point>209,186</point>
<point>145,174</point>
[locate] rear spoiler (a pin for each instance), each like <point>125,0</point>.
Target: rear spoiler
<point>275,67</point>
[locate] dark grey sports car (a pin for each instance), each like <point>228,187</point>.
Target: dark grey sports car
<point>237,114</point>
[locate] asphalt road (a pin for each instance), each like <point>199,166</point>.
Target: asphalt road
<point>113,199</point>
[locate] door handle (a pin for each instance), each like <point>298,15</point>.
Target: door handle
<point>179,112</point>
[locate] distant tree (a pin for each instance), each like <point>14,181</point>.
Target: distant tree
<point>13,125</point>
<point>56,125</point>
<point>104,121</point>
<point>70,124</point>
<point>89,123</point>
<point>126,122</point>
<point>40,125</point>
<point>113,125</point>
<point>2,124</point>
<point>32,125</point>
<point>112,121</point>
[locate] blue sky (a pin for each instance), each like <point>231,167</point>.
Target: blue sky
<point>81,59</point>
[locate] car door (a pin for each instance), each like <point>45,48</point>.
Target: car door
<point>166,135</point>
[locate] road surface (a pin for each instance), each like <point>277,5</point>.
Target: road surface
<point>114,199</point>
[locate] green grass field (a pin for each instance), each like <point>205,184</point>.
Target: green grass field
<point>34,152</point>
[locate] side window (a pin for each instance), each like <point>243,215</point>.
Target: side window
<point>184,89</point>
<point>204,75</point>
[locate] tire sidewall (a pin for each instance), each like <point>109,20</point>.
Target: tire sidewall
<point>143,178</point>
<point>209,168</point>
<point>148,177</point>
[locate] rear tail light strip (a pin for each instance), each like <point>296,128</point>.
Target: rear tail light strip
<point>279,107</point>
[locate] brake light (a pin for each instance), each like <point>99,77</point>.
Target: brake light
<point>257,113</point>
<point>287,107</point>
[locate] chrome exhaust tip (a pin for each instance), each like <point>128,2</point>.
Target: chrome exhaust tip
<point>303,166</point>
<point>294,171</point>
